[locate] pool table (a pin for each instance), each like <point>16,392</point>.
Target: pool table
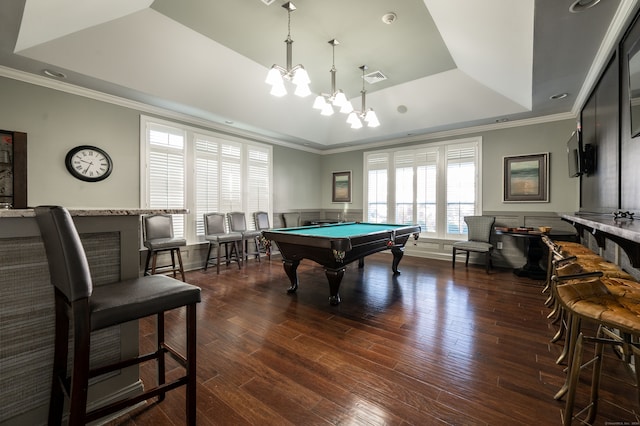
<point>335,246</point>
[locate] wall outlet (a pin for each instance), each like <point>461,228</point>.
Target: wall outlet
<point>499,245</point>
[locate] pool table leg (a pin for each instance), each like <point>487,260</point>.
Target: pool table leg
<point>398,252</point>
<point>335,277</point>
<point>291,268</point>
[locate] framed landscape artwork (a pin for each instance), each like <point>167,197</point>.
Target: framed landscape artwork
<point>526,178</point>
<point>341,184</point>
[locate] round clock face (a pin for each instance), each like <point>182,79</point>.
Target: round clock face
<point>88,163</point>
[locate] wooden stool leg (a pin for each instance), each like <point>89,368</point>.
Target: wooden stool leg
<point>160,352</point>
<point>61,348</point>
<point>80,369</point>
<point>173,262</point>
<point>191,365</point>
<point>572,379</point>
<point>466,262</point>
<point>153,263</point>
<point>206,262</point>
<point>146,264</point>
<point>453,259</point>
<point>180,265</point>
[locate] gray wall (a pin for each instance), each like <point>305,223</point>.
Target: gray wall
<point>548,137</point>
<point>57,121</point>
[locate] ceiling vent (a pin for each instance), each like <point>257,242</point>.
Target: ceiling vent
<point>374,77</point>
<point>268,2</point>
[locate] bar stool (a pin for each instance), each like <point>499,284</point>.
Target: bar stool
<point>261,219</point>
<point>158,237</point>
<point>591,300</point>
<point>238,223</point>
<point>90,308</point>
<point>216,235</point>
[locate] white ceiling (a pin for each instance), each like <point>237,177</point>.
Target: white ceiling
<point>451,63</point>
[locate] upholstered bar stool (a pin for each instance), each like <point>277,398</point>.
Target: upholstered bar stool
<point>158,237</point>
<point>238,223</point>
<point>216,235</point>
<point>261,219</point>
<point>88,308</point>
<point>291,220</point>
<point>591,300</point>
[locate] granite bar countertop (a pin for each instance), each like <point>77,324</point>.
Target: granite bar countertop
<point>625,228</point>
<point>95,212</point>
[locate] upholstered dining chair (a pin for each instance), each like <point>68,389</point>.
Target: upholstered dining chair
<point>291,220</point>
<point>82,308</point>
<point>261,219</point>
<point>216,235</point>
<point>479,231</point>
<point>158,237</point>
<point>238,223</point>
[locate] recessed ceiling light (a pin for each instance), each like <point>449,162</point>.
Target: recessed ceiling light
<point>558,96</point>
<point>582,5</point>
<point>389,18</point>
<point>54,74</point>
<point>402,109</point>
<point>228,122</point>
<point>502,120</point>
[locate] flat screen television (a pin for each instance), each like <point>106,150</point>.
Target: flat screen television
<point>575,155</point>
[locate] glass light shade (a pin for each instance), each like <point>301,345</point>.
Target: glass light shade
<point>352,118</point>
<point>302,90</point>
<point>300,76</point>
<point>356,124</point>
<point>319,103</point>
<point>371,119</point>
<point>274,77</point>
<point>346,108</point>
<point>327,109</point>
<point>278,90</point>
<point>339,99</point>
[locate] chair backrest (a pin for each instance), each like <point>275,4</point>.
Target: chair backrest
<point>237,222</point>
<point>291,220</point>
<point>479,227</point>
<point>262,220</point>
<point>157,226</point>
<point>214,223</point>
<point>68,266</point>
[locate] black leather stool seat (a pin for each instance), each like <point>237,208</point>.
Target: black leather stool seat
<point>137,298</point>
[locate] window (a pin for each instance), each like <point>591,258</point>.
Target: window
<point>432,185</point>
<point>186,168</point>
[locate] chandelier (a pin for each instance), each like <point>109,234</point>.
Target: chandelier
<point>297,75</point>
<point>369,116</point>
<point>337,98</point>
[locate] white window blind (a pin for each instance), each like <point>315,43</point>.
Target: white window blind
<point>258,181</point>
<point>188,168</point>
<point>231,177</point>
<point>377,188</point>
<point>207,179</point>
<point>432,185</point>
<point>461,186</point>
<point>166,172</point>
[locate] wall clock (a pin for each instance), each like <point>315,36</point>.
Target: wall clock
<point>88,163</point>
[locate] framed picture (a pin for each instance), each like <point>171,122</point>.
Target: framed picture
<point>526,178</point>
<point>341,187</point>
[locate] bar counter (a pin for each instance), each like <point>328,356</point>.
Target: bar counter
<point>623,231</point>
<point>111,238</point>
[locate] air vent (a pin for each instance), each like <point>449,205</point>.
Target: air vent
<point>268,2</point>
<point>374,77</point>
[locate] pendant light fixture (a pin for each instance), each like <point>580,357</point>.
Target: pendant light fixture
<point>337,98</point>
<point>297,75</point>
<point>369,116</point>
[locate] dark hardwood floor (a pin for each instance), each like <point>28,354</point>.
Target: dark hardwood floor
<point>430,346</point>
